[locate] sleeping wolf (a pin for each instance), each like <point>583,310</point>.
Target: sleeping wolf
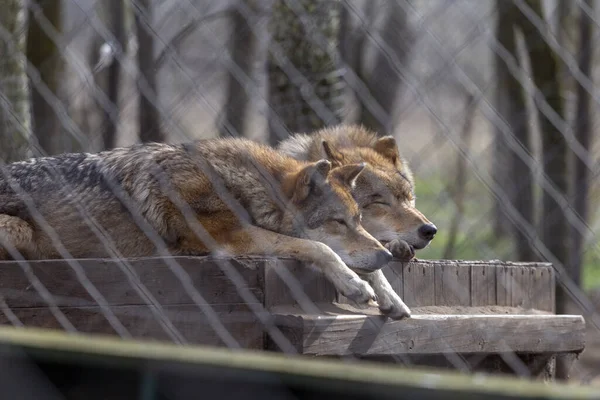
<point>384,190</point>
<point>249,198</point>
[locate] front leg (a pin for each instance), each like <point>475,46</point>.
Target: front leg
<point>252,240</point>
<point>390,303</point>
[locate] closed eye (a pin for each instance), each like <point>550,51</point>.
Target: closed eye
<point>381,203</point>
<point>340,221</point>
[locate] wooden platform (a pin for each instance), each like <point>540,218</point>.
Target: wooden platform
<point>481,309</point>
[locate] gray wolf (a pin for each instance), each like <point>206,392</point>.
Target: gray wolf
<point>384,190</point>
<point>246,197</point>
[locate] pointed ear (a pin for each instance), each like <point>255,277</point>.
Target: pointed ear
<point>348,173</point>
<point>332,154</point>
<point>387,147</point>
<point>310,178</point>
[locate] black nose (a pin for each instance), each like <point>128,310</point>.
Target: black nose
<point>383,257</point>
<point>427,231</point>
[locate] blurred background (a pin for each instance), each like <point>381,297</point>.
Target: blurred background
<point>494,103</point>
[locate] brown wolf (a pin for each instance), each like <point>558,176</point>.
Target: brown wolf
<point>249,198</point>
<point>384,190</point>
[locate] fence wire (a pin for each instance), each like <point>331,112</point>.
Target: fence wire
<point>445,67</point>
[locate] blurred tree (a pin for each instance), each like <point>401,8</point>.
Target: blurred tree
<point>15,118</point>
<point>45,57</point>
<point>393,44</point>
<point>105,55</point>
<point>582,127</point>
<point>513,174</point>
<point>458,188</point>
<point>247,47</point>
<point>555,228</point>
<point>149,118</point>
<point>306,91</point>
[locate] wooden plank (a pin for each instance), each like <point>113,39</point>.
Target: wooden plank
<point>483,285</point>
<point>452,285</point>
<point>289,282</point>
<point>542,289</point>
<point>520,282</point>
<point>419,284</point>
<point>503,286</point>
<point>91,361</point>
<point>190,321</point>
<point>433,334</point>
<point>154,274</point>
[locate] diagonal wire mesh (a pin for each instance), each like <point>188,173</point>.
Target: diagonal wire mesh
<point>192,83</point>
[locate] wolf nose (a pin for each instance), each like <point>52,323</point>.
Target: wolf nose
<point>383,257</point>
<point>427,231</point>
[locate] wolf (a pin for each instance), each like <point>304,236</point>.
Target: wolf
<point>384,191</point>
<point>247,198</point>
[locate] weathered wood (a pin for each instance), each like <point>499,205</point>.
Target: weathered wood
<point>452,284</point>
<point>190,321</point>
<point>108,276</point>
<point>538,366</point>
<point>419,283</point>
<point>542,289</point>
<point>289,282</point>
<point>483,285</point>
<point>433,334</point>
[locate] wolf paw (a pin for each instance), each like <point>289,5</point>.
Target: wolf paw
<point>392,306</point>
<point>359,291</point>
<point>396,311</point>
<point>401,250</point>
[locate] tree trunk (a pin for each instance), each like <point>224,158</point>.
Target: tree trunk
<point>583,133</point>
<point>109,79</point>
<point>458,188</point>
<point>545,69</point>
<point>44,56</point>
<point>15,118</point>
<point>306,92</point>
<point>149,118</point>
<point>247,48</point>
<point>383,81</point>
<point>517,173</point>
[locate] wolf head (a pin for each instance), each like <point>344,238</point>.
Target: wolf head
<point>325,211</point>
<point>384,190</point>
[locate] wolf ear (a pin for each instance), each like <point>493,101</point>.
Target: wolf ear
<point>332,154</point>
<point>387,147</point>
<point>349,173</point>
<point>311,177</point>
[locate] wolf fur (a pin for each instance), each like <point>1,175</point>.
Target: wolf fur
<point>384,190</point>
<point>248,198</point>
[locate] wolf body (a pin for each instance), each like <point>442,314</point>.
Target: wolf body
<point>233,194</point>
<point>384,191</point>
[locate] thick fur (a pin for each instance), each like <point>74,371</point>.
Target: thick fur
<point>384,190</point>
<point>248,198</point>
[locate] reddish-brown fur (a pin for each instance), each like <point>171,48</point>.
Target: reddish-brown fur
<point>229,195</point>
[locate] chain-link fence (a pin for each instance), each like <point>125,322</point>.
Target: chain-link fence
<point>491,103</point>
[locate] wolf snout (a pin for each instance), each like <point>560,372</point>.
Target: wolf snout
<point>427,231</point>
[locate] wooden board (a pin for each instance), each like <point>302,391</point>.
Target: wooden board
<point>432,334</point>
<point>189,322</point>
<point>180,288</point>
<point>419,283</point>
<point>157,276</point>
<point>483,285</point>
